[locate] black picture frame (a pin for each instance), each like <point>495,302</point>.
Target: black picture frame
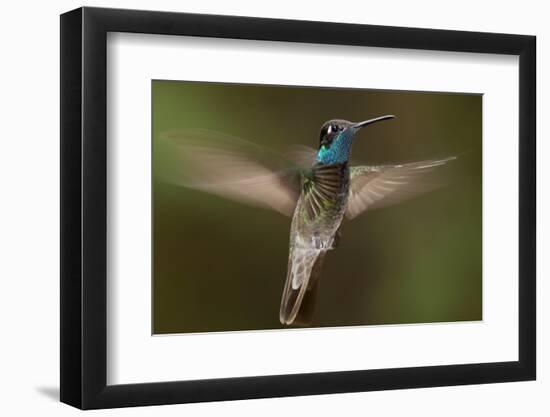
<point>84,197</point>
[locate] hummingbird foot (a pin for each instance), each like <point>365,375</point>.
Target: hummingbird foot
<point>319,243</point>
<point>323,244</point>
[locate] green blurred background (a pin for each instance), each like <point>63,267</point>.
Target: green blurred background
<point>220,265</point>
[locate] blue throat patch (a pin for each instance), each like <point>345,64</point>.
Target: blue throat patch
<point>339,150</point>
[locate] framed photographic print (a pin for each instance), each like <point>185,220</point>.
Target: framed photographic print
<point>258,208</point>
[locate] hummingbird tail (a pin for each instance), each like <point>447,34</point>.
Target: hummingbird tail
<point>301,287</point>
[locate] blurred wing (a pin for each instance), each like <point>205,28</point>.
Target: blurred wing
<point>304,266</point>
<point>304,156</point>
<point>380,186</point>
<point>301,155</point>
<point>229,167</point>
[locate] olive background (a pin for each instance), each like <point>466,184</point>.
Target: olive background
<point>219,265</point>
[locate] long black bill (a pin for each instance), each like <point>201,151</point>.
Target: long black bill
<point>371,121</point>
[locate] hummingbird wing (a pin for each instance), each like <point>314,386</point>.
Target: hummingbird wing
<point>302,155</point>
<point>229,167</point>
<point>302,282</point>
<point>380,186</point>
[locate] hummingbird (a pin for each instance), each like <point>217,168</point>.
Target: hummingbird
<point>318,188</point>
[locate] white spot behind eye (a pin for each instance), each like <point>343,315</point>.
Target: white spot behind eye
<point>329,130</point>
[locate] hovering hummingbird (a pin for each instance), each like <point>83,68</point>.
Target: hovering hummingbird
<point>318,188</point>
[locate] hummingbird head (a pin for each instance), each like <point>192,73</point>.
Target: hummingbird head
<point>337,137</point>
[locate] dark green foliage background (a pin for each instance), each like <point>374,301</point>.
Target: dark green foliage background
<point>220,265</point>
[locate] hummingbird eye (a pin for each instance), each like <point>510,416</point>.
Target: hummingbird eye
<point>328,133</point>
<point>331,129</point>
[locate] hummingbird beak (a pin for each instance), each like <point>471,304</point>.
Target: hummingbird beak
<point>359,125</point>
